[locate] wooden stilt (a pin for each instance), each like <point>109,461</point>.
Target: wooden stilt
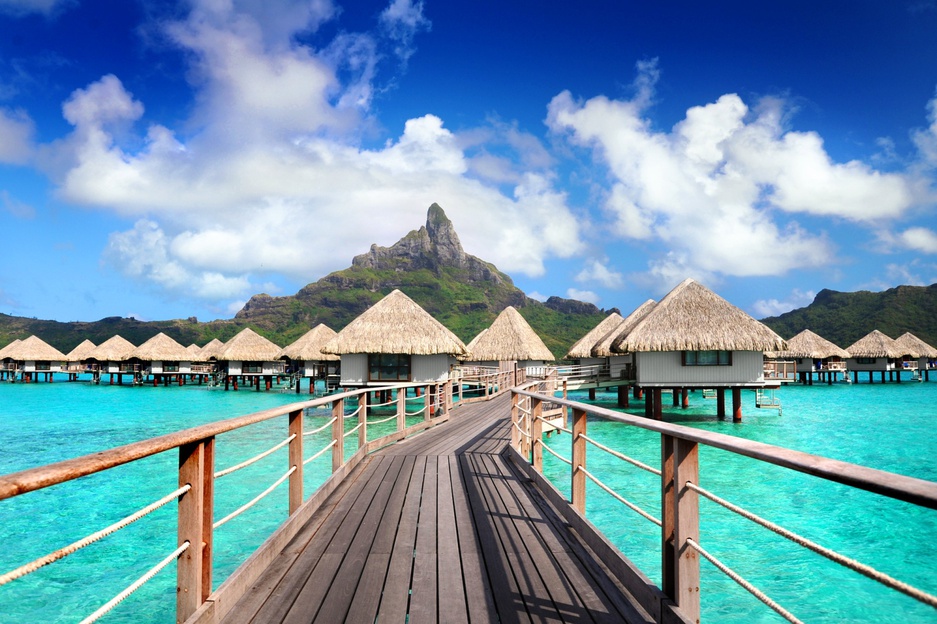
<point>592,394</point>
<point>658,404</point>
<point>736,405</point>
<point>623,396</point>
<point>721,402</point>
<point>686,398</point>
<point>675,396</point>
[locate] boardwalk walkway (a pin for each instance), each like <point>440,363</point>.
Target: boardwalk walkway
<point>438,528</point>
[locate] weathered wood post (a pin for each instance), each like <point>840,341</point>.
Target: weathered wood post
<point>680,505</point>
<point>401,409</point>
<point>515,434</point>
<point>296,459</point>
<point>578,487</point>
<point>536,434</point>
<point>196,510</point>
<point>736,404</point>
<point>427,403</point>
<point>363,419</point>
<point>338,430</point>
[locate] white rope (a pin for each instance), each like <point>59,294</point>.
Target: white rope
<point>754,591</point>
<point>328,446</point>
<point>250,461</point>
<point>634,462</point>
<point>416,413</point>
<point>351,431</point>
<point>521,409</point>
<point>832,555</point>
<point>354,413</point>
<point>523,433</point>
<point>621,499</point>
<point>75,546</point>
<point>116,600</point>
<point>555,427</point>
<point>254,501</point>
<point>391,402</point>
<point>546,447</point>
<point>322,428</point>
<point>383,420</point>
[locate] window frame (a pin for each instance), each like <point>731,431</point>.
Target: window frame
<point>692,358</point>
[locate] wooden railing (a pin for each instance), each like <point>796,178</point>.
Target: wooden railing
<point>197,449</point>
<point>481,383</point>
<point>680,491</point>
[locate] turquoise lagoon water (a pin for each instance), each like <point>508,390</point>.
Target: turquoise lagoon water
<point>889,427</point>
<point>884,426</point>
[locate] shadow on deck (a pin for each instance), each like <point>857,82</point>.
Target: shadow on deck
<point>442,527</point>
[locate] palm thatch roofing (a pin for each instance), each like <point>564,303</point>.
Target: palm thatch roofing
<point>807,344</point>
<point>914,346</point>
<point>609,345</point>
<point>471,345</point>
<point>875,344</point>
<point>3,351</point>
<point>396,324</point>
<point>308,347</point>
<point>693,318</point>
<point>510,338</point>
<point>161,348</point>
<point>114,349</point>
<point>211,349</point>
<point>583,346</point>
<point>194,353</point>
<point>34,349</point>
<point>248,346</point>
<point>80,352</point>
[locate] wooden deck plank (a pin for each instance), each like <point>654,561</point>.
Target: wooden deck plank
<point>423,591</point>
<point>451,600</point>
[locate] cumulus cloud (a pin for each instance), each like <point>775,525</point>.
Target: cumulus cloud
<point>16,136</point>
<point>720,189</point>
<point>774,307</point>
<point>598,272</point>
<point>919,239</point>
<point>583,295</point>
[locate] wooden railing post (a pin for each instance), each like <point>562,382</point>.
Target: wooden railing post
<point>578,486</point>
<point>515,434</point>
<point>363,418</point>
<point>680,562</point>
<point>401,409</point>
<point>338,430</point>
<point>196,508</point>
<point>296,459</point>
<point>427,403</point>
<point>536,434</point>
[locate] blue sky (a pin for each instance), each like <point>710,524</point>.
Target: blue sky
<point>166,160</point>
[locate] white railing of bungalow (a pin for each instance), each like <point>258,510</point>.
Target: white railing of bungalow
<point>197,477</point>
<point>680,492</point>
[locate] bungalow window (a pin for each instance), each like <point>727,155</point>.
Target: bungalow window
<point>43,366</point>
<point>388,367</point>
<point>707,358</point>
<point>170,367</point>
<point>865,360</point>
<point>253,368</point>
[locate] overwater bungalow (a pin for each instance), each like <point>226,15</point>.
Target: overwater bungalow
<point>112,357</point>
<point>814,355</point>
<point>32,358</point>
<point>308,361</point>
<point>211,350</point>
<point>695,339</point>
<point>163,359</point>
<point>7,369</point>
<point>395,340</point>
<point>76,359</point>
<point>875,352</point>
<point>917,356</point>
<point>510,343</point>
<point>581,352</point>
<point>249,357</point>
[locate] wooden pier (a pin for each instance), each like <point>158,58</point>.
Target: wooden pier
<point>442,527</point>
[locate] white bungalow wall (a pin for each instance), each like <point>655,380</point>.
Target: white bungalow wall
<point>29,366</point>
<point>617,363</point>
<point>423,368</point>
<point>880,364</point>
<point>354,369</point>
<point>664,368</point>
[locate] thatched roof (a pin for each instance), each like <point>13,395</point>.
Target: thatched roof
<point>248,346</point>
<point>914,346</point>
<point>807,344</point>
<point>3,351</point>
<point>114,349</point>
<point>875,344</point>
<point>33,349</point>
<point>396,324</point>
<point>693,318</point>
<point>161,348</point>
<point>583,347</point>
<point>610,344</point>
<point>211,350</point>
<point>309,346</point>
<point>509,338</point>
<point>80,352</point>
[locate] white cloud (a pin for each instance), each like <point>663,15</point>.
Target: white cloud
<point>582,295</point>
<point>598,272</point>
<point>16,136</point>
<point>537,296</point>
<point>719,188</point>
<point>773,307</point>
<point>926,139</point>
<point>919,239</point>
<point>402,20</point>
<point>15,207</point>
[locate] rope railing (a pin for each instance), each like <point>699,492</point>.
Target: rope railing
<point>383,420</point>
<point>832,555</point>
<point>316,456</point>
<point>254,500</point>
<point>32,566</point>
<point>547,448</point>
<point>754,591</point>
<point>322,428</point>
<point>619,497</point>
<point>353,430</point>
<point>137,584</point>
<point>555,426</point>
<point>523,433</point>
<point>255,458</point>
<point>353,413</point>
<point>387,404</point>
<point>416,413</point>
<point>621,456</point>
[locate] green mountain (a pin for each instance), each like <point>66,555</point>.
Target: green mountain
<point>843,318</point>
<point>463,292</point>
